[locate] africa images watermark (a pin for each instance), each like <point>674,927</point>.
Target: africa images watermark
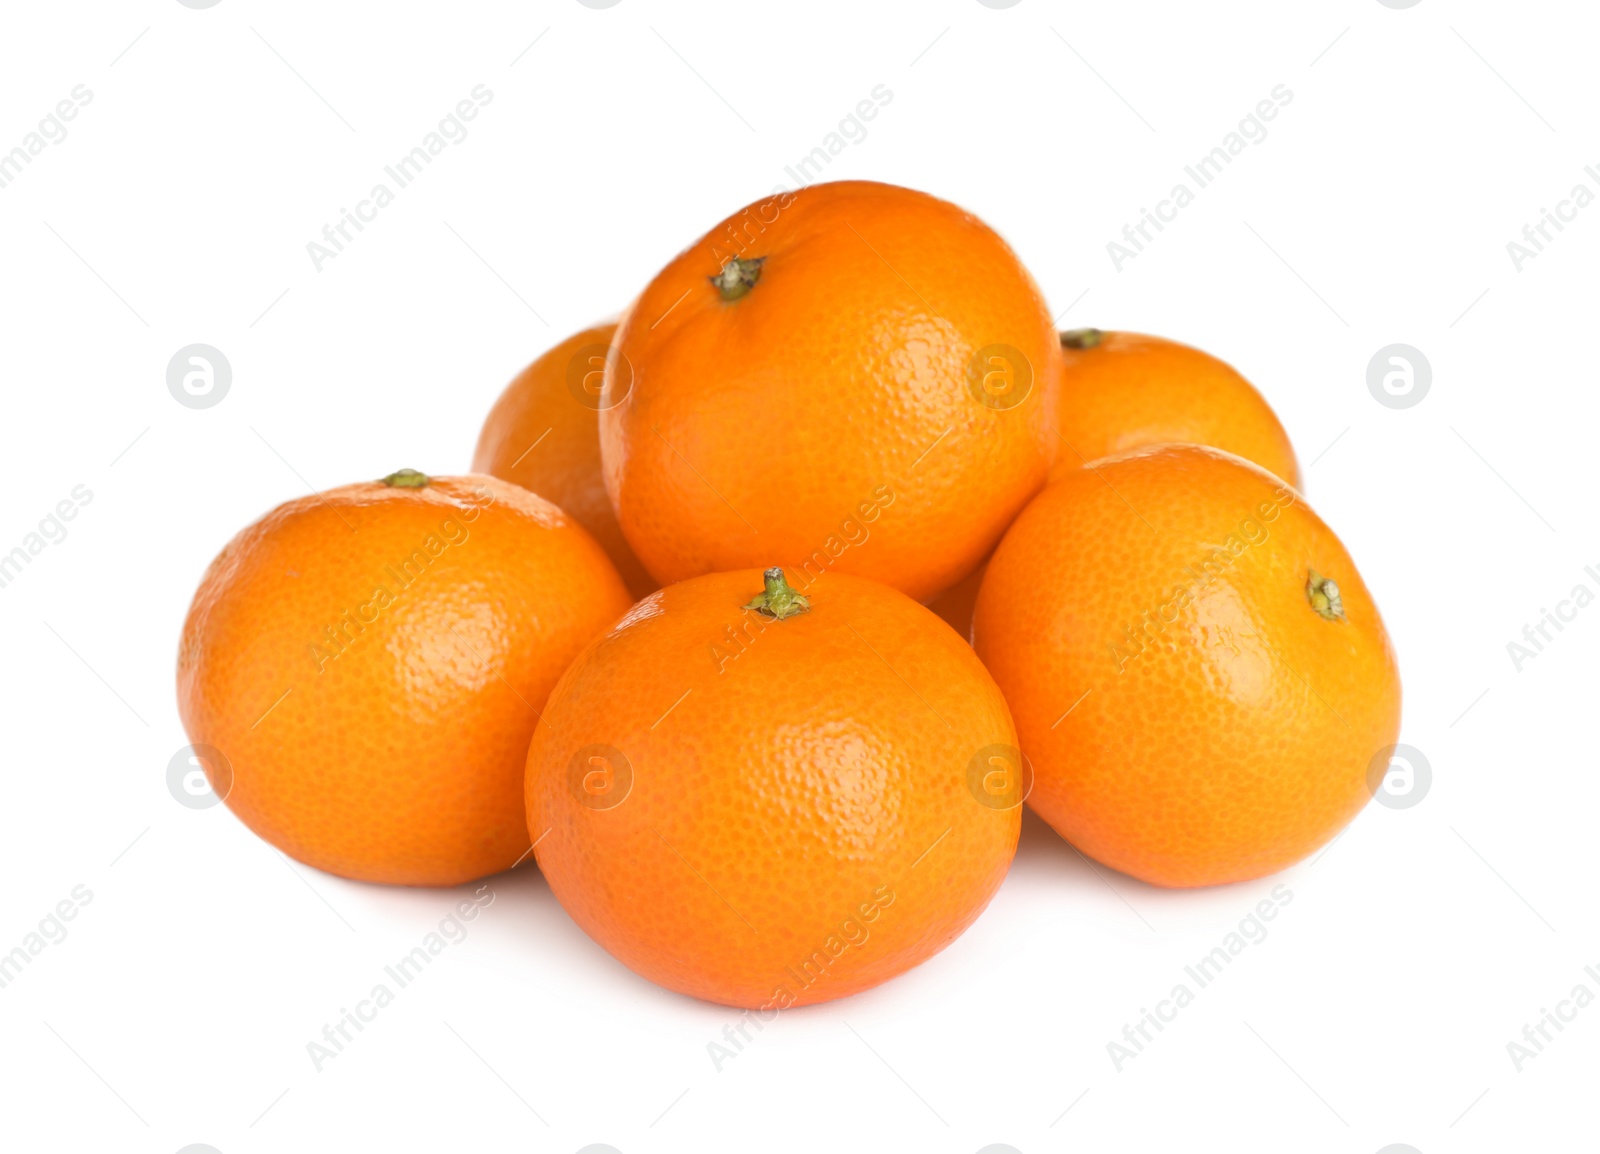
<point>1538,634</point>
<point>739,235</point>
<point>1536,236</point>
<point>51,931</point>
<point>50,531</point>
<point>452,129</point>
<point>853,531</point>
<point>851,130</point>
<point>1252,129</point>
<point>998,778</point>
<point>1153,622</point>
<point>851,933</point>
<point>339,637</point>
<point>1538,1034</point>
<point>52,129</point>
<point>1252,931</point>
<point>451,931</point>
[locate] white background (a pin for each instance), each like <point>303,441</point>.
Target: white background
<point>1377,210</point>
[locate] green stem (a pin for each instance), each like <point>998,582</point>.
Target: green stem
<point>778,600</point>
<point>406,479</point>
<point>738,277</point>
<point>1081,338</point>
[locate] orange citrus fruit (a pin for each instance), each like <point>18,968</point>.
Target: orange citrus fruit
<point>1123,391</point>
<point>849,378</point>
<point>765,799</point>
<point>1198,674</point>
<point>364,670</point>
<point>543,434</point>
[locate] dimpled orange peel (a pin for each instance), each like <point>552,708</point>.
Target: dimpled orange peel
<point>365,667</point>
<point>849,378</point>
<point>1198,674</point>
<point>769,799</point>
<point>1123,391</point>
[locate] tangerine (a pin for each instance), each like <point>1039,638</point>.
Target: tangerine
<point>777,801</point>
<point>1122,391</point>
<point>370,663</point>
<point>1197,671</point>
<point>848,378</point>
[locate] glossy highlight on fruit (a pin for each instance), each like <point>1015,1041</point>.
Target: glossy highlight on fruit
<point>1197,671</point>
<point>371,663</point>
<point>850,378</point>
<point>768,799</point>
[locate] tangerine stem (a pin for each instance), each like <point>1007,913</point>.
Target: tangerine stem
<point>406,479</point>
<point>1323,593</point>
<point>778,600</point>
<point>738,277</point>
<point>1081,338</point>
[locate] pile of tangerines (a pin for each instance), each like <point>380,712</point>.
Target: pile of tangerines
<point>768,607</point>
